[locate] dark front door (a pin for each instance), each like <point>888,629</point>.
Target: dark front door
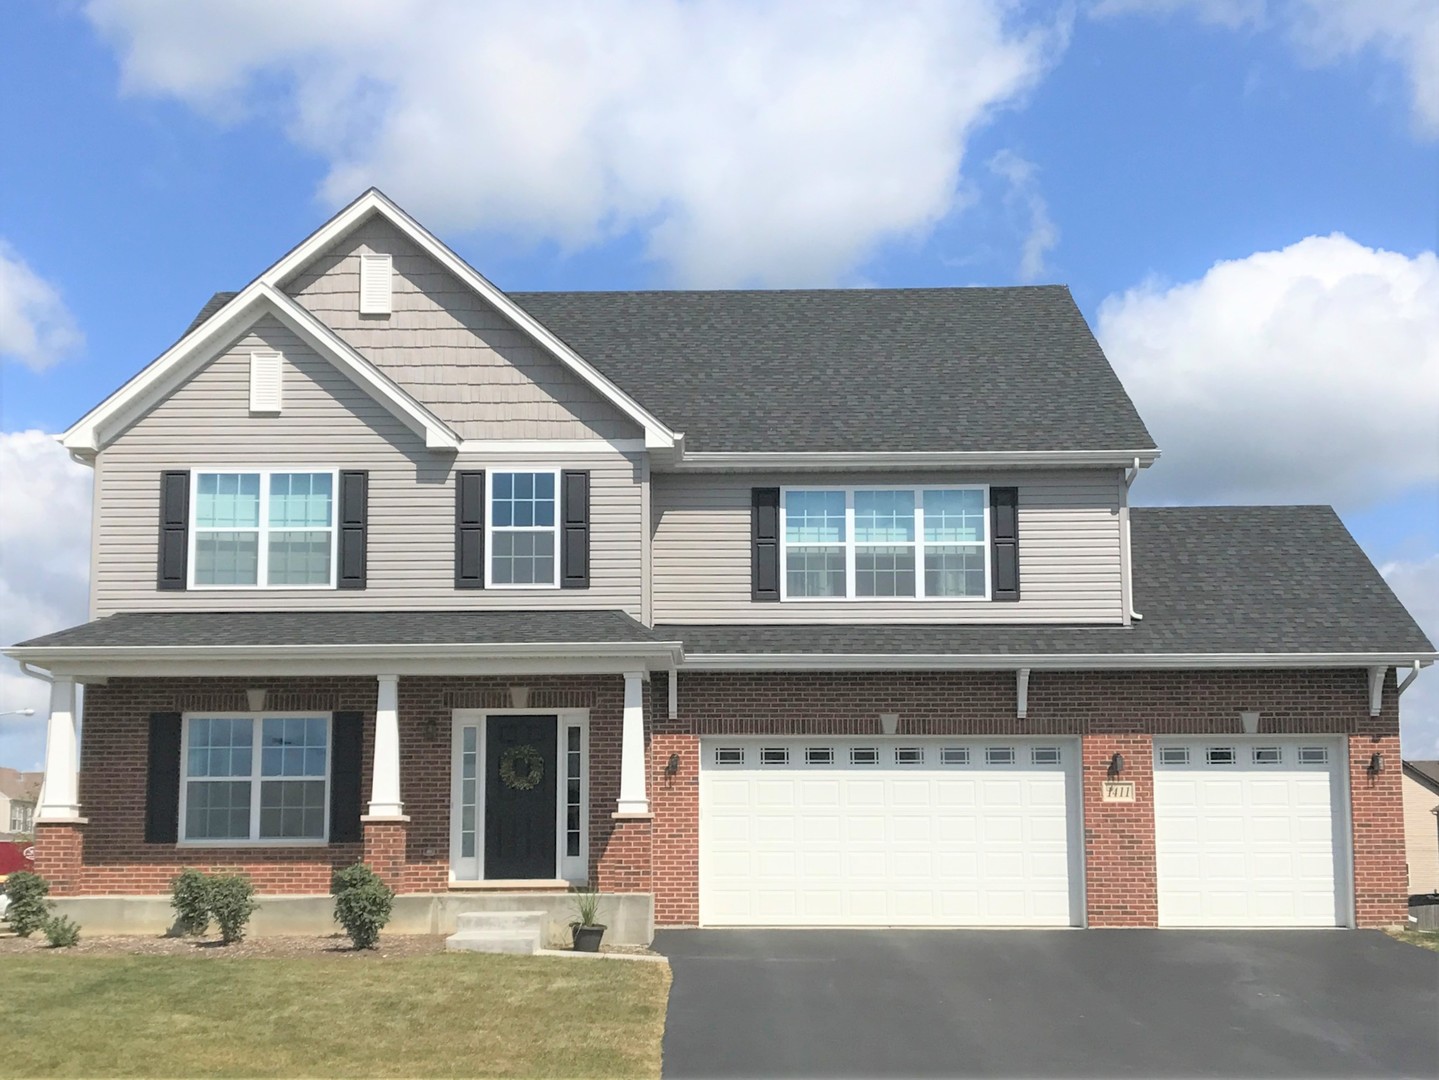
<point>521,759</point>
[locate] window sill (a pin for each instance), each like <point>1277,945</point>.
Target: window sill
<point>231,845</point>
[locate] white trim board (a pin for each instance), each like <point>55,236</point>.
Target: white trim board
<point>1037,661</point>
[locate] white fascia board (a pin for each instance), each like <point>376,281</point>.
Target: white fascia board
<point>600,658</point>
<point>541,447</point>
<point>657,435</point>
<point>959,459</point>
<point>192,352</point>
<point>1045,661</point>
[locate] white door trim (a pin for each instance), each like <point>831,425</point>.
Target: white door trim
<point>574,869</point>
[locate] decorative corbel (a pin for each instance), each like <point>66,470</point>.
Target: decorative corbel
<point>1021,692</point>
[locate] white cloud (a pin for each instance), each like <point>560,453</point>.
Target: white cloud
<point>35,327</point>
<point>772,144</point>
<point>1309,374</point>
<point>44,571</point>
<point>1416,583</point>
<point>1024,198</point>
<point>1323,32</point>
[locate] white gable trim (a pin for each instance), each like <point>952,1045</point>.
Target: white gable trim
<point>657,435</point>
<point>192,352</point>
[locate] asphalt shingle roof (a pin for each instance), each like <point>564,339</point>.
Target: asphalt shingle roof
<point>204,628</point>
<point>1427,770</point>
<point>831,370</point>
<point>855,369</point>
<point>1241,579</point>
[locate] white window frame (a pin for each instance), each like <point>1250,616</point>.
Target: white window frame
<point>918,544</point>
<point>491,528</point>
<point>256,777</point>
<point>262,568</point>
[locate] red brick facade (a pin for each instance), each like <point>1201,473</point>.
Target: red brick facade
<point>1109,711</point>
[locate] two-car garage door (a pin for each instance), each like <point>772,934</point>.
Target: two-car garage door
<point>889,832</point>
<point>932,832</point>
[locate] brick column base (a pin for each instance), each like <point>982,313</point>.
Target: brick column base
<point>1121,888</point>
<point>1381,883</point>
<point>625,866</point>
<point>384,851</point>
<point>59,850</point>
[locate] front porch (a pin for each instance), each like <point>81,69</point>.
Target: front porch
<point>465,793</point>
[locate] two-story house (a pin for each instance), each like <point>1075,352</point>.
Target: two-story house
<point>770,608</point>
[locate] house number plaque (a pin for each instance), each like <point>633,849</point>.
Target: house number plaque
<point>1118,791</point>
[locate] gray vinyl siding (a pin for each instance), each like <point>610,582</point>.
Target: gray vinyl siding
<point>450,349</point>
<point>329,422</point>
<point>1069,551</point>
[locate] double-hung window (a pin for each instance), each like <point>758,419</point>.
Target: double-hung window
<point>263,529</point>
<point>884,542</point>
<point>524,529</point>
<point>252,779</point>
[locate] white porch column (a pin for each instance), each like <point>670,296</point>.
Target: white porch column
<point>632,748</point>
<point>385,781</point>
<point>60,796</point>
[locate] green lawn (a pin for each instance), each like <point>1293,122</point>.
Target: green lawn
<point>397,1016</point>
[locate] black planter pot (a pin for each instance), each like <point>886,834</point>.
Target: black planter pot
<point>587,938</point>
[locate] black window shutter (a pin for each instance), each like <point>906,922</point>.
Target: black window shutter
<point>354,510</point>
<point>574,529</point>
<point>764,543</point>
<point>470,530</point>
<point>174,530</point>
<point>1004,541</point>
<point>162,780</point>
<point>347,738</point>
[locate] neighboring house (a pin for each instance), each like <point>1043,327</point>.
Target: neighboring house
<point>19,793</point>
<point>1421,826</point>
<point>789,607</point>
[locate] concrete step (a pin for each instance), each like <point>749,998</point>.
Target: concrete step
<point>499,932</point>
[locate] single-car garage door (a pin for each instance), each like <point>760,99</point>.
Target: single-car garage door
<point>1251,832</point>
<point>889,832</point>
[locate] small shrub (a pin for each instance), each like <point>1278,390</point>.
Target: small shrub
<point>190,897</point>
<point>29,907</point>
<point>231,903</point>
<point>60,931</point>
<point>362,903</point>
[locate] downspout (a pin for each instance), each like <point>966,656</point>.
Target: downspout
<point>1130,476</point>
<point>1414,674</point>
<point>26,669</point>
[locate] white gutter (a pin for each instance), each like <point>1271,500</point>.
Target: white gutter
<point>1044,661</point>
<point>900,459</point>
<point>1127,555</point>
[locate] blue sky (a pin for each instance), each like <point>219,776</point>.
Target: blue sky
<point>153,153</point>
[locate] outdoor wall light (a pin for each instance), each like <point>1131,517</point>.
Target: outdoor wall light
<point>673,765</point>
<point>1376,763</point>
<point>1116,765</point>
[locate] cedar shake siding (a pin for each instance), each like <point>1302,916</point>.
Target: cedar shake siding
<point>1069,551</point>
<point>329,422</point>
<point>450,349</point>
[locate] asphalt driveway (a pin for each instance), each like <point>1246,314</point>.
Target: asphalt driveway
<point>1049,1003</point>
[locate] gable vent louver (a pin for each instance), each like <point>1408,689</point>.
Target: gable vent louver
<point>376,289</point>
<point>265,382</point>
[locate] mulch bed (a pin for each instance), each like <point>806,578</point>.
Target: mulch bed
<point>330,945</point>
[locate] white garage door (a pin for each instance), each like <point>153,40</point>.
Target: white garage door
<point>889,832</point>
<point>1250,832</point>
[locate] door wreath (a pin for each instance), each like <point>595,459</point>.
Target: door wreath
<point>522,767</point>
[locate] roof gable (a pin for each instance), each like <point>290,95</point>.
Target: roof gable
<point>207,339</point>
